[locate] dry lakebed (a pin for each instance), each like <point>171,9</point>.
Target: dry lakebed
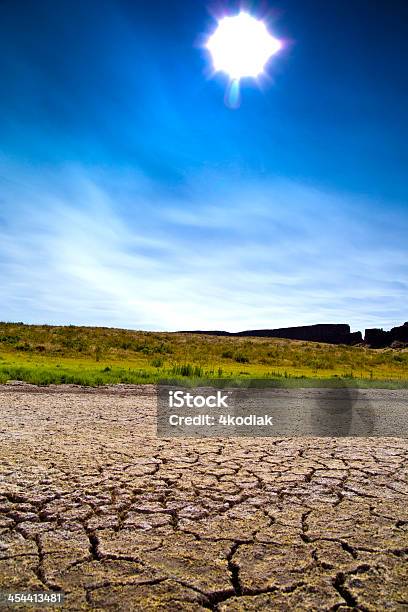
<point>94,504</point>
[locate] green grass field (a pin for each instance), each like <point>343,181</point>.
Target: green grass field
<point>43,354</point>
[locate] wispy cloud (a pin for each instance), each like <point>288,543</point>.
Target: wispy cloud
<point>78,246</point>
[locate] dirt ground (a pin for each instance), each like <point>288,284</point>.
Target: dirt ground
<point>92,503</point>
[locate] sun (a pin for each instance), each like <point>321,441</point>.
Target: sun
<point>241,46</point>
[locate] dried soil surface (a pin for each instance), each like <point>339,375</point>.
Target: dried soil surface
<point>91,502</point>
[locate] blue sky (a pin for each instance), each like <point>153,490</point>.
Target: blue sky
<point>131,196</point>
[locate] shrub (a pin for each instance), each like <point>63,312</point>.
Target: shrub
<point>187,369</point>
<point>23,347</point>
<point>239,358</point>
<point>125,345</point>
<point>9,339</point>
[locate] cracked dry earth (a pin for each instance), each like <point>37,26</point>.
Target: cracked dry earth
<point>92,503</point>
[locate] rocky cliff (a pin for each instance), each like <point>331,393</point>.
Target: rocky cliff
<point>332,333</point>
<point>324,332</point>
<point>378,338</point>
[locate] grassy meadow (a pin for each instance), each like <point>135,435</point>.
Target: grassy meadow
<point>43,354</point>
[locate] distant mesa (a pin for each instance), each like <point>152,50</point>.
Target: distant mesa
<point>331,333</point>
<point>378,338</point>
<point>324,332</point>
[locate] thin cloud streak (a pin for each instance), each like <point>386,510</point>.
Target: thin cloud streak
<point>80,247</point>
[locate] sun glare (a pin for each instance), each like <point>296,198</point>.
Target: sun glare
<point>241,46</point>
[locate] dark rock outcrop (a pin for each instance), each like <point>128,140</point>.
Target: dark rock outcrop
<point>325,332</point>
<point>331,333</point>
<point>378,338</point>
<point>355,337</point>
<point>400,334</point>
